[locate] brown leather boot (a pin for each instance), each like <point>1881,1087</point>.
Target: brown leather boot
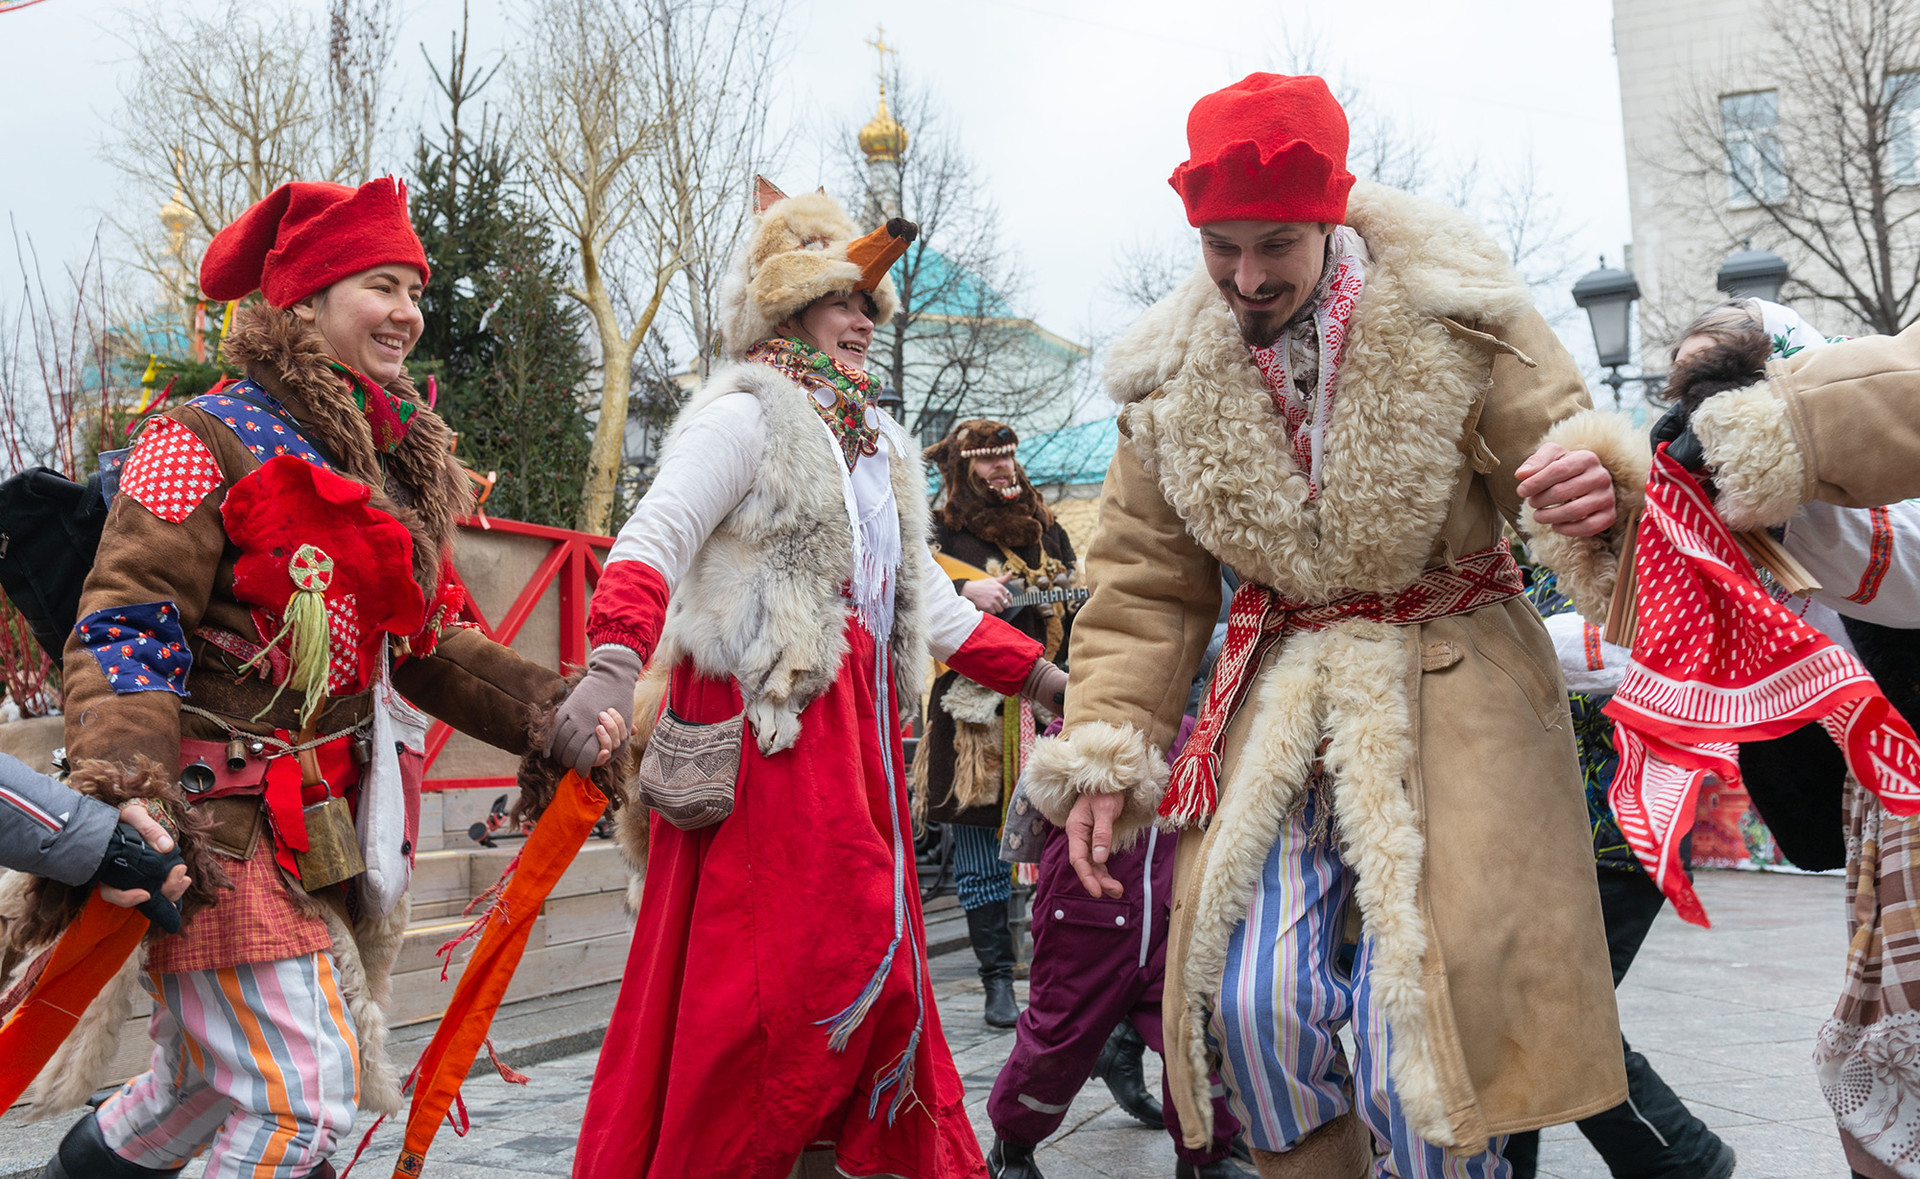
<point>1337,1150</point>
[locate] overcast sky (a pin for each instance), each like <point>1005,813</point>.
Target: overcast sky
<point>1074,110</point>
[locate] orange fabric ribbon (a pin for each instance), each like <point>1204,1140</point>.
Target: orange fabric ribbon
<point>565,825</point>
<point>90,951</point>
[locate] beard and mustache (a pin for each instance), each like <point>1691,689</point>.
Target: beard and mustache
<point>1261,327</point>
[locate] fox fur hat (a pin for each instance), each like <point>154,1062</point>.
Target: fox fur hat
<point>805,248</point>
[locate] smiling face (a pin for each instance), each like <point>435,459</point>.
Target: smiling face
<point>839,325</point>
<point>369,321</point>
<point>995,471</point>
<point>1265,270</point>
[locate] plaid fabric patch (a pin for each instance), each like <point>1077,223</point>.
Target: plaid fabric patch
<point>257,921</point>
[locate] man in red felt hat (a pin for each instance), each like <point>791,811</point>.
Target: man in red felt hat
<point>1346,404</point>
<point>274,576</point>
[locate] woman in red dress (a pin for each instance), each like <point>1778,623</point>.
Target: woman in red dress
<point>776,1017</point>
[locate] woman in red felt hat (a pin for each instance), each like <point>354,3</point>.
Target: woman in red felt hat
<point>274,577</point>
<point>776,1017</point>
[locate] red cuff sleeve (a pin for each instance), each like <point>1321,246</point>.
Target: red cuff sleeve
<point>996,655</point>
<point>629,607</point>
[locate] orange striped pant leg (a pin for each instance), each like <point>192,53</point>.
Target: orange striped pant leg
<point>276,1042</point>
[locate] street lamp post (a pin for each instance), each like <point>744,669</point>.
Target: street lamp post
<point>1752,274</point>
<point>1607,296</point>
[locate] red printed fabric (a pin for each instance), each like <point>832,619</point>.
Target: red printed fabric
<point>1716,662</point>
<point>170,471</point>
<point>1309,352</point>
<point>1257,618</point>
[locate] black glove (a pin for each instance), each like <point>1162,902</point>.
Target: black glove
<point>1675,428</point>
<point>130,863</point>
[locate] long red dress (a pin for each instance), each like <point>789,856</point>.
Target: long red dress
<point>754,934</point>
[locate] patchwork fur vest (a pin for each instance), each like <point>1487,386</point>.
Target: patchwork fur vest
<point>763,602</point>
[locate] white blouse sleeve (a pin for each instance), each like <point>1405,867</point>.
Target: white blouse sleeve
<point>950,617</point>
<point>1866,560</point>
<point>706,470</point>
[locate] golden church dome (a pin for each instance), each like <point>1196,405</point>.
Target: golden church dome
<point>883,138</point>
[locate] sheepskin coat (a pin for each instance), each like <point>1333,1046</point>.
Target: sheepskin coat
<point>457,674</point>
<point>1455,784</point>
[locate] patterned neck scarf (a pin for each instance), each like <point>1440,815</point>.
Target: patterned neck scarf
<point>851,417</point>
<point>1300,366</point>
<point>389,417</point>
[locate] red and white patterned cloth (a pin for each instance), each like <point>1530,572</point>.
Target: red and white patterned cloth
<point>170,471</point>
<point>1257,618</point>
<point>1299,367</point>
<point>1716,661</point>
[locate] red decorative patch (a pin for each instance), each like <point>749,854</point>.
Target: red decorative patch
<point>170,471</point>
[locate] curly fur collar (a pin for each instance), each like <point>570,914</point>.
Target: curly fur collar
<point>423,485</point>
<point>1201,420</point>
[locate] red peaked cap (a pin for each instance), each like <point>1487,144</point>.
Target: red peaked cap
<point>306,236</point>
<point>1267,148</point>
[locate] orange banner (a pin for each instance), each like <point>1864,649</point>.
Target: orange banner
<point>556,839</point>
<point>89,953</point>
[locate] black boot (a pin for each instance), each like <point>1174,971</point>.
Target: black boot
<point>1009,1160</point>
<point>1225,1168</point>
<point>1119,1066</point>
<point>992,940</point>
<point>84,1154</point>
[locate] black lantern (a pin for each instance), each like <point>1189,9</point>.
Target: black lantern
<point>1607,296</point>
<point>1752,274</point>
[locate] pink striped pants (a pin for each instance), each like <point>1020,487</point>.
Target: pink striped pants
<point>259,1062</point>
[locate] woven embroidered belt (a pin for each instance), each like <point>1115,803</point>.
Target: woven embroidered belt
<point>1258,618</point>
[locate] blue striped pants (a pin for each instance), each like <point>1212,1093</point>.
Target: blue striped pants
<point>1283,1000</point>
<point>261,1062</point>
<point>979,878</point>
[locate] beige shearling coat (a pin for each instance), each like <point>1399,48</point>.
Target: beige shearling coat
<point>1457,796</point>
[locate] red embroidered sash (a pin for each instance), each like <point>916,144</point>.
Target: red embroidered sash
<point>1716,661</point>
<point>1258,618</point>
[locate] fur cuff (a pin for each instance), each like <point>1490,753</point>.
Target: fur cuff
<point>1586,566</point>
<point>539,776</point>
<point>50,905</point>
<point>1758,467</point>
<point>1097,758</point>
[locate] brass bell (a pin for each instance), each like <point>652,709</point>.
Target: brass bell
<point>197,778</point>
<point>236,755</point>
<point>362,749</point>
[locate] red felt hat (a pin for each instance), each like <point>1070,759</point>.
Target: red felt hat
<point>306,236</point>
<point>1267,148</point>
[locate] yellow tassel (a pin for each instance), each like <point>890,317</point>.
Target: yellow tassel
<point>305,630</point>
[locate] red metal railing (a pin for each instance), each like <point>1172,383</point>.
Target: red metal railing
<point>573,563</point>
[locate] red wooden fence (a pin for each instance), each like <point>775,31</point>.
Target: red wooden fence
<point>572,562</point>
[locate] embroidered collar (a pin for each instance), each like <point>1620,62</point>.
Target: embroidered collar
<point>388,416</point>
<point>851,416</point>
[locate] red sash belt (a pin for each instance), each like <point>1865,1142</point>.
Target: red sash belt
<point>1258,618</point>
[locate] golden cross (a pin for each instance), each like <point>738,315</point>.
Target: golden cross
<point>881,48</point>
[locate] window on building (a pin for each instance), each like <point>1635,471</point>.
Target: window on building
<point>1756,168</point>
<point>1903,127</point>
<point>936,424</point>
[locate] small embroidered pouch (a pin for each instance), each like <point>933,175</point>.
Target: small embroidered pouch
<point>688,773</point>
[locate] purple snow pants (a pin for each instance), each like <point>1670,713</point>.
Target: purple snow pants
<point>1095,962</point>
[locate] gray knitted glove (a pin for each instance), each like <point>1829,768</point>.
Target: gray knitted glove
<point>1046,686</point>
<point>612,672</point>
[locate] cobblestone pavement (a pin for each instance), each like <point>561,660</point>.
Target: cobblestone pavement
<point>1727,1016</point>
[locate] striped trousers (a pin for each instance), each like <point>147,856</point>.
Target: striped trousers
<point>260,1062</point>
<point>1283,1000</point>
<point>979,878</point>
